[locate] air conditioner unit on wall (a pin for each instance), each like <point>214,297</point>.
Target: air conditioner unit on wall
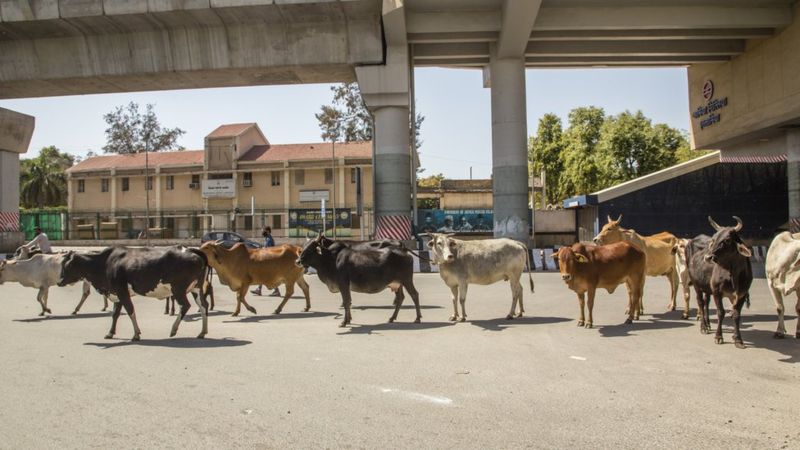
<point>194,185</point>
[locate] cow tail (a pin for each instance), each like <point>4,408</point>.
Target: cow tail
<point>747,301</point>
<point>528,265</point>
<point>204,284</point>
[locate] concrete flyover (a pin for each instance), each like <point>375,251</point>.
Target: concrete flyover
<point>16,131</point>
<point>62,47</point>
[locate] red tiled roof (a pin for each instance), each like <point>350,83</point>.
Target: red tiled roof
<point>186,157</point>
<point>230,130</point>
<point>293,152</point>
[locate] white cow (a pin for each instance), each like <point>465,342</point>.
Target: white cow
<point>482,262</point>
<point>40,272</point>
<point>682,269</point>
<point>783,274</point>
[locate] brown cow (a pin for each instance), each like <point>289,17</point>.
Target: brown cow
<point>585,268</point>
<point>657,248</point>
<point>240,267</point>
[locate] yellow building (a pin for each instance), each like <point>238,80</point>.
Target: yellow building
<point>238,181</point>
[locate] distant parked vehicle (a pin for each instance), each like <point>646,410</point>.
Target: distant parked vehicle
<point>228,239</point>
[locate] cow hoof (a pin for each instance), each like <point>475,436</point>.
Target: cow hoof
<point>778,335</point>
<point>518,315</point>
<point>463,319</point>
<point>739,344</point>
<point>48,311</point>
<point>306,309</point>
<point>670,307</point>
<point>718,340</point>
<point>343,324</point>
<point>173,333</point>
<point>74,313</point>
<point>391,319</point>
<point>41,314</point>
<point>628,321</point>
<point>797,335</point>
<point>108,336</point>
<point>685,316</point>
<point>236,314</point>
<point>580,323</point>
<point>588,325</point>
<point>418,320</point>
<point>453,318</point>
<point>509,317</point>
<point>136,338</point>
<point>201,336</point>
<point>276,312</point>
<point>252,310</point>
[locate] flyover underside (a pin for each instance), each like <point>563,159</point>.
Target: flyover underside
<point>133,46</point>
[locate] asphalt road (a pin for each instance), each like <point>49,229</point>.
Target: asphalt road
<point>298,381</point>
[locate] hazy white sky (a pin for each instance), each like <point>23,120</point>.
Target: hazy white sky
<point>456,132</point>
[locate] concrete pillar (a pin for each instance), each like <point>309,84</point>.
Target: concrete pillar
<point>793,175</point>
<point>392,162</point>
<point>509,148</point>
<point>16,131</point>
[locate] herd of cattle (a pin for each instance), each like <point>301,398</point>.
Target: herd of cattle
<point>715,266</point>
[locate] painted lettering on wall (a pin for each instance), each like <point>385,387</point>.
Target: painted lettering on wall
<point>707,114</point>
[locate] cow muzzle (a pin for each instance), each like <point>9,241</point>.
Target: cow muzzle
<point>566,277</point>
<point>710,258</point>
<point>597,241</point>
<point>451,257</point>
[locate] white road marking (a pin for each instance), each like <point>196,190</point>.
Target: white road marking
<point>419,397</point>
<point>579,358</point>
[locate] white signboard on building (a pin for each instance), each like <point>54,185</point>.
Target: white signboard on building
<point>219,188</point>
<point>313,196</point>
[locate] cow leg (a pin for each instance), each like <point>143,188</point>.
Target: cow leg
<point>706,305</point>
<point>412,291</point>
<point>516,295</point>
<point>590,306</point>
<point>84,295</point>
<point>582,303</point>
<point>398,302</point>
<point>184,304</point>
<point>208,288</point>
<point>202,303</point>
<point>686,298</point>
<point>737,319</point>
<point>632,306</point>
<point>166,305</point>
<point>462,298</point>
<point>454,291</point>
<point>289,292</point>
<point>797,311</point>
<point>306,292</point>
<point>672,276</point>
<point>344,288</point>
<point>718,302</point>
<point>105,302</point>
<point>700,310</point>
<point>114,317</point>
<point>777,296</point>
<point>41,300</point>
<point>125,300</point>
<point>243,301</point>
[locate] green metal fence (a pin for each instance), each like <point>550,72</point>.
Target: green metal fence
<point>49,221</point>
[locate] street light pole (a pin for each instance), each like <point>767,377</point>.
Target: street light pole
<point>333,180</point>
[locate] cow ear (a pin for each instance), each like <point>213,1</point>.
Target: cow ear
<point>554,255</point>
<point>319,250</point>
<point>450,234</point>
<point>581,258</point>
<point>430,243</point>
<point>674,249</point>
<point>743,250</point>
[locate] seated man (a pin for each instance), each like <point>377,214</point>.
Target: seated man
<point>40,240</point>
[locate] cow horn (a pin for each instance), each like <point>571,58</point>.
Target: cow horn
<point>738,226</point>
<point>609,219</point>
<point>619,219</point>
<point>715,225</point>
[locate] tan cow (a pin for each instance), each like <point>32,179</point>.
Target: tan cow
<point>240,267</point>
<point>657,248</point>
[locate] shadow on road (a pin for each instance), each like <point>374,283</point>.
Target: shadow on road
<point>66,317</point>
<point>503,323</point>
<point>622,329</point>
<point>179,342</point>
<point>406,305</point>
<point>396,326</point>
<point>789,346</point>
<point>283,315</point>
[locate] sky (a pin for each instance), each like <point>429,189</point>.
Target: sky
<point>456,133</point>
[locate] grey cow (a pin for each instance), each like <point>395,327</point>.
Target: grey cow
<point>479,262</point>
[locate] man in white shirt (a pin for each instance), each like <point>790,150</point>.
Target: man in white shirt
<point>41,241</point>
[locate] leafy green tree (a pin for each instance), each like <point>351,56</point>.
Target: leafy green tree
<point>43,182</point>
<point>582,172</point>
<point>431,181</point>
<point>544,153</point>
<point>130,131</point>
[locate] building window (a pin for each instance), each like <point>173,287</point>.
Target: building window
<point>196,179</point>
<point>126,184</point>
<point>276,178</point>
<point>328,176</point>
<point>248,222</point>
<point>276,222</point>
<point>300,177</point>
<point>103,184</point>
<point>354,175</point>
<point>170,182</point>
<point>81,185</point>
<point>148,184</point>
<point>247,179</point>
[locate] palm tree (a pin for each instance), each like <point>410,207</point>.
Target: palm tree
<point>42,181</point>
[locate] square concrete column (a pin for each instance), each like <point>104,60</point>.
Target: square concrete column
<point>16,131</point>
<point>509,148</point>
<point>793,176</point>
<point>392,168</point>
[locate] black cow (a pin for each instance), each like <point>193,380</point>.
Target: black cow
<point>720,267</point>
<point>120,272</point>
<point>368,267</point>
